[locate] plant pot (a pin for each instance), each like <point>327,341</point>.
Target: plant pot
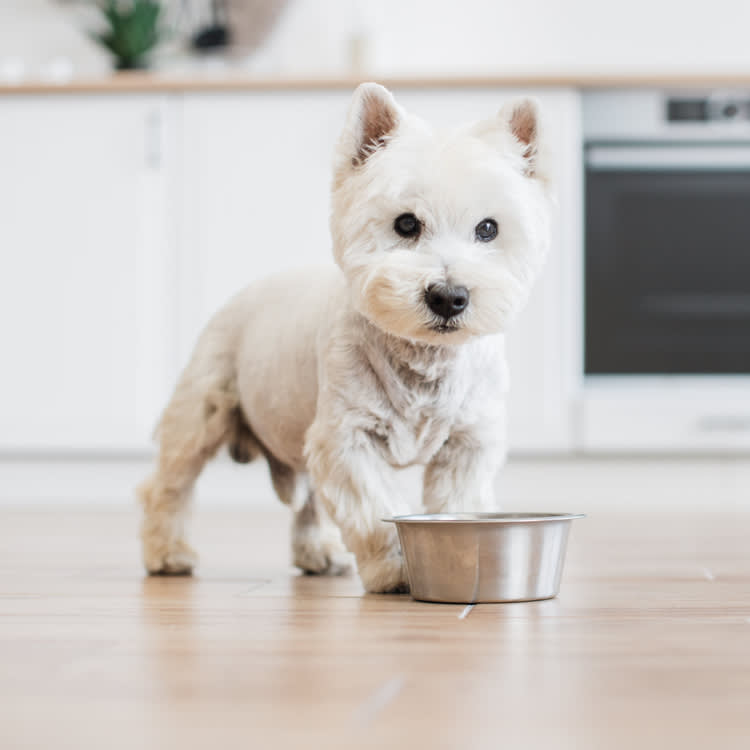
<point>131,65</point>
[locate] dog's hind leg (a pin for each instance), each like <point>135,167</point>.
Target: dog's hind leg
<point>199,418</point>
<point>316,542</point>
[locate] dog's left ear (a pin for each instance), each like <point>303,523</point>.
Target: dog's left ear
<point>521,117</point>
<point>373,118</point>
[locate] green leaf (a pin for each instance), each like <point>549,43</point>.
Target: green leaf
<point>132,30</point>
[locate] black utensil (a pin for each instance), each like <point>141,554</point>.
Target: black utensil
<point>218,34</point>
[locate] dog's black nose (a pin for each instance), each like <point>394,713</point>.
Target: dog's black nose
<point>447,301</point>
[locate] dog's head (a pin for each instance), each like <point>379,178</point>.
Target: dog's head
<point>440,236</point>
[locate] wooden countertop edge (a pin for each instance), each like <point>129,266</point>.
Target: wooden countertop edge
<point>145,83</point>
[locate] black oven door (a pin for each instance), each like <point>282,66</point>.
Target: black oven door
<point>667,259</point>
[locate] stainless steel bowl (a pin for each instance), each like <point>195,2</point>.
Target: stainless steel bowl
<point>484,557</point>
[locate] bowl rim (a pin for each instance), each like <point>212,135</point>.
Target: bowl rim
<point>482,518</point>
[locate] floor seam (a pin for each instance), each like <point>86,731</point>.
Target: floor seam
<point>374,704</point>
<point>466,611</point>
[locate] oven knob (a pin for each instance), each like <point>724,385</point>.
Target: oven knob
<point>730,111</point>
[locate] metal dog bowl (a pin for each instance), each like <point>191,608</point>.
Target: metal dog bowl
<point>484,557</point>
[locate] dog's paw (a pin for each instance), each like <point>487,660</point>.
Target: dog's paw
<point>171,559</point>
<point>384,576</point>
<point>319,553</point>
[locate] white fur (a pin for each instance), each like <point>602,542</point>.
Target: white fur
<point>339,376</point>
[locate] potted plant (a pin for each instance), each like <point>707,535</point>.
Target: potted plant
<point>132,31</point>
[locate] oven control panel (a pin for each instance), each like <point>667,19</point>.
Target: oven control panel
<point>707,109</point>
<point>676,117</point>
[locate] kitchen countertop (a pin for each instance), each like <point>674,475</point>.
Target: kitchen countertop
<point>158,83</point>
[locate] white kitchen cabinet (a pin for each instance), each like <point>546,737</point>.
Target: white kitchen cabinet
<point>86,297</point>
<point>127,220</point>
<point>256,184</point>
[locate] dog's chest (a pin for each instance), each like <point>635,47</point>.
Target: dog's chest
<point>416,417</point>
<point>410,398</point>
<point>414,439</point>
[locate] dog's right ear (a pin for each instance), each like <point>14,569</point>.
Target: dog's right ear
<point>373,118</point>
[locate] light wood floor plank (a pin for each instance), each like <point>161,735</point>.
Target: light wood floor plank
<point>648,644</point>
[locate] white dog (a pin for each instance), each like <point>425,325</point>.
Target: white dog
<point>341,377</point>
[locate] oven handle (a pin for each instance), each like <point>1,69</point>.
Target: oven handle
<point>724,423</point>
<point>654,158</point>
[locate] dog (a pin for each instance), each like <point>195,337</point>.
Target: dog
<point>340,377</point>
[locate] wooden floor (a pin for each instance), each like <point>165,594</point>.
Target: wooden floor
<point>648,645</point>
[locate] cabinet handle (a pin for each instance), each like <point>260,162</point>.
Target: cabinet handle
<point>153,140</point>
<point>724,423</point>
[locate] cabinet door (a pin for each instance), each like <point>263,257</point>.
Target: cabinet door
<point>257,181</point>
<point>84,301</point>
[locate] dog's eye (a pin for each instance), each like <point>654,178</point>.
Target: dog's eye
<point>407,225</point>
<point>486,230</point>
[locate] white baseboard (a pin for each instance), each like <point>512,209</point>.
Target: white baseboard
<point>553,484</point>
<point>112,482</point>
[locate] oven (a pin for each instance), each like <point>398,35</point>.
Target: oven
<point>666,342</point>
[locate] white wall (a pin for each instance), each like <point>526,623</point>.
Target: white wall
<point>440,36</point>
<point>487,36</point>
<point>553,35</point>
<point>35,35</point>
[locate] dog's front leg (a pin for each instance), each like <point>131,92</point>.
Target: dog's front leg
<point>460,477</point>
<point>358,488</point>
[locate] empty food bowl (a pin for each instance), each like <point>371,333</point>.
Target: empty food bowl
<point>484,557</point>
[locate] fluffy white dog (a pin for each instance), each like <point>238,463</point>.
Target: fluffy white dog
<point>341,377</point>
